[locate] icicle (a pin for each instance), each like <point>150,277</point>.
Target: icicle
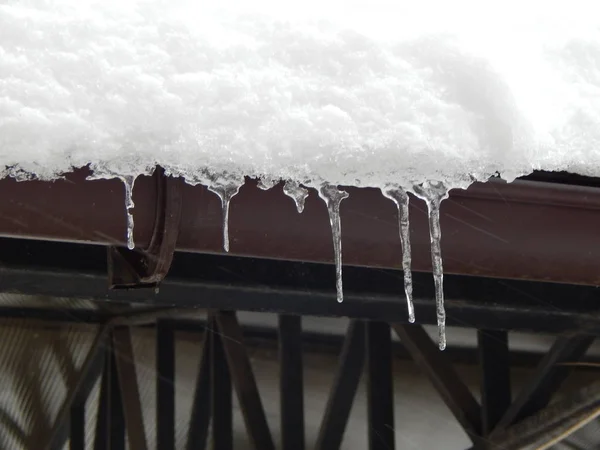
<point>297,193</point>
<point>129,181</point>
<point>333,197</point>
<point>266,183</point>
<point>401,199</point>
<point>226,190</point>
<point>433,193</point>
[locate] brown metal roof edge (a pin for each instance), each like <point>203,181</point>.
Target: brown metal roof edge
<point>522,230</point>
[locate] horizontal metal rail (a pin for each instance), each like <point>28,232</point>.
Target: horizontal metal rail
<point>242,284</point>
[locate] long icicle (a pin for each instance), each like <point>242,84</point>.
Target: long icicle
<point>225,191</point>
<point>333,197</point>
<point>129,181</point>
<point>401,199</point>
<point>433,193</point>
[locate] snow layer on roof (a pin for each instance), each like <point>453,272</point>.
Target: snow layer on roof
<point>356,92</point>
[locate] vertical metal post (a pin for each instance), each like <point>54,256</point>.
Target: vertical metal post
<point>77,426</point>
<point>380,389</point>
<point>291,382</point>
<point>495,377</point>
<point>165,386</point>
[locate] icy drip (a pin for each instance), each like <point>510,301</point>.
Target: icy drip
<point>226,191</point>
<point>266,183</point>
<point>401,199</point>
<point>433,193</point>
<point>129,181</point>
<point>333,197</point>
<point>297,193</point>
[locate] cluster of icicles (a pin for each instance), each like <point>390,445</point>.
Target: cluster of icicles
<point>431,192</point>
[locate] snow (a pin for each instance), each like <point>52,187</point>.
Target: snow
<point>387,92</point>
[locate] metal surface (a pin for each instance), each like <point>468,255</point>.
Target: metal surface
<point>291,382</point>
<point>209,281</point>
<point>121,399</point>
<point>523,230</point>
<point>495,376</point>
<point>165,385</point>
<point>148,267</point>
<point>344,389</point>
<point>380,388</point>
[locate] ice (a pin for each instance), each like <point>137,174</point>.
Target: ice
<point>433,193</point>
<point>226,190</point>
<point>333,197</point>
<point>128,182</point>
<point>266,183</point>
<point>297,193</point>
<point>401,199</point>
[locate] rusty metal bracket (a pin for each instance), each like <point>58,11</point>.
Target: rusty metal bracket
<point>142,268</point>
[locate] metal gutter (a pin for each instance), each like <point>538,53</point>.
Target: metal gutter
<point>523,230</point>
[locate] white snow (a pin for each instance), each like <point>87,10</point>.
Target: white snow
<point>349,92</point>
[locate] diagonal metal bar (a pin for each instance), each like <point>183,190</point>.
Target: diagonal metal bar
<point>165,385</point>
<point>380,388</point>
<point>77,395</point>
<point>495,376</point>
<point>221,395</point>
<point>128,382</point>
<point>13,427</point>
<point>549,376</point>
<point>200,418</point>
<point>244,381</point>
<point>442,375</point>
<point>344,388</point>
<point>291,382</point>
<point>554,423</point>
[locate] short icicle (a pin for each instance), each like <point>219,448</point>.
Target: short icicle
<point>401,199</point>
<point>333,197</point>
<point>226,191</point>
<point>129,181</point>
<point>297,193</point>
<point>265,184</point>
<point>433,193</point>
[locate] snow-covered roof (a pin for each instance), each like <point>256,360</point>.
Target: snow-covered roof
<point>421,96</point>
